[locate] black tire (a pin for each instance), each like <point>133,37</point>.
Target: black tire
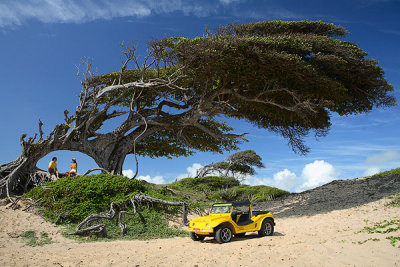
<point>223,234</point>
<point>196,237</point>
<point>267,228</point>
<point>240,235</point>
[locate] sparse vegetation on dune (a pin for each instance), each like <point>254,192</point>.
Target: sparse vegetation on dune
<point>31,239</point>
<point>393,171</point>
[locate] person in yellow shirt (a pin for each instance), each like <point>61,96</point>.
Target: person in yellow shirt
<point>53,167</point>
<point>74,168</point>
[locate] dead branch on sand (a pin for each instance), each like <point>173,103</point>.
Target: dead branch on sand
<point>87,226</point>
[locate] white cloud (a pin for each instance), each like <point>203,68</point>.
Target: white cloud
<point>313,175</point>
<point>371,171</point>
<point>155,180</point>
<point>17,12</point>
<point>285,179</point>
<point>191,171</point>
<point>383,157</point>
<point>253,180</point>
<point>128,173</point>
<point>317,173</point>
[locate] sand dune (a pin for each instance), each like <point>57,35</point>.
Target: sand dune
<point>314,228</point>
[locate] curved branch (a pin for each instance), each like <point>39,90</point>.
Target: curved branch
<point>95,169</point>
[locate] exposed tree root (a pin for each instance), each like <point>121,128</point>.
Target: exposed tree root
<point>87,226</point>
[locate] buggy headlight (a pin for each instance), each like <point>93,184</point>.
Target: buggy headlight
<point>207,225</point>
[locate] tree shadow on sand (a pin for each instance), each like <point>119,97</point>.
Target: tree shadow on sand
<point>337,195</point>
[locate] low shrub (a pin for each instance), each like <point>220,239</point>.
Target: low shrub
<point>81,196</point>
<point>212,182</point>
<point>253,193</point>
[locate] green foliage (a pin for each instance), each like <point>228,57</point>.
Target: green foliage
<point>390,172</point>
<point>395,201</point>
<point>227,194</point>
<point>212,182</point>
<point>394,240</point>
<point>84,195</point>
<point>253,193</point>
<point>32,240</point>
<point>217,188</point>
<point>384,227</point>
<point>257,62</point>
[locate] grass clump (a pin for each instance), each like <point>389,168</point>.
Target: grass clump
<point>32,240</point>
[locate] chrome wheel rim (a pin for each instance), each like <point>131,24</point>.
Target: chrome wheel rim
<point>226,234</point>
<point>268,228</point>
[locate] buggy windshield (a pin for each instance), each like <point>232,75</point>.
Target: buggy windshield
<point>221,208</point>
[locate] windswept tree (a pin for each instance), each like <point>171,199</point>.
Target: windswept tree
<point>285,77</point>
<point>237,165</point>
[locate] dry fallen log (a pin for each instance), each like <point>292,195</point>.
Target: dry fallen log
<point>87,226</point>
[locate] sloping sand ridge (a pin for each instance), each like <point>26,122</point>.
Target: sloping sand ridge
<point>320,227</point>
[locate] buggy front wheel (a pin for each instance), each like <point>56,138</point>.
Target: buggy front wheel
<point>223,234</point>
<point>196,237</point>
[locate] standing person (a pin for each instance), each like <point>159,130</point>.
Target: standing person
<point>74,168</point>
<point>53,167</point>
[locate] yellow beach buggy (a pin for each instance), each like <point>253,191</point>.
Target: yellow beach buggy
<point>231,218</point>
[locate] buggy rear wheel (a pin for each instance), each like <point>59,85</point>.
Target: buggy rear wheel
<point>267,228</point>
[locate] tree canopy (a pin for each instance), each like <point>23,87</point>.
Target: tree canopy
<point>285,77</point>
<point>237,165</point>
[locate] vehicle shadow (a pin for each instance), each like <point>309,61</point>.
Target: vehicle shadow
<point>248,236</point>
<point>337,195</point>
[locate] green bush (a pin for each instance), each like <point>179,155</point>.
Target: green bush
<point>212,182</point>
<point>81,196</point>
<point>253,193</point>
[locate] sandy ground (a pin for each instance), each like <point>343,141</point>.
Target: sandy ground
<point>309,231</point>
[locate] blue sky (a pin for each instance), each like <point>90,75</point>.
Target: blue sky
<point>42,41</point>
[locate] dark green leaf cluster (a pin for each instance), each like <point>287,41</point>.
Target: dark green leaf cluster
<point>265,28</point>
<point>284,76</point>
